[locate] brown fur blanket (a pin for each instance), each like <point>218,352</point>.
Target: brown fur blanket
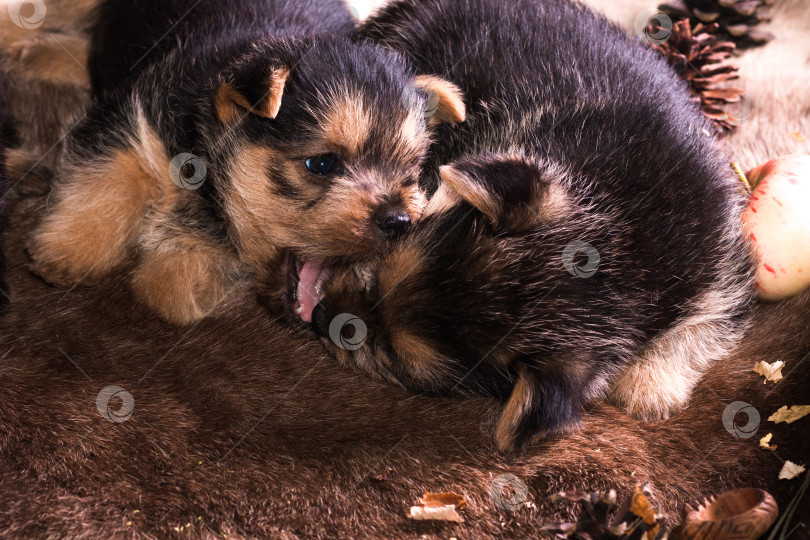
<point>241,427</point>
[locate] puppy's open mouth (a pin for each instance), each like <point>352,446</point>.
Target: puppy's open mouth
<point>305,281</point>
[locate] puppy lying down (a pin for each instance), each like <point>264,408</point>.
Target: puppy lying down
<point>255,134</point>
<point>585,240</point>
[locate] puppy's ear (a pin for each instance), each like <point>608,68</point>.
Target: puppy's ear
<point>258,94</point>
<point>540,406</point>
<point>445,102</point>
<point>513,193</point>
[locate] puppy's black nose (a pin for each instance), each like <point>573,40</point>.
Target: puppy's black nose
<point>320,320</point>
<point>393,224</point>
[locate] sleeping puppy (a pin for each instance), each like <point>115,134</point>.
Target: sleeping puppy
<point>232,138</point>
<point>585,238</point>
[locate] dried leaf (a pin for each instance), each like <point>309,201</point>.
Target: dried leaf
<point>771,372</point>
<point>444,499</point>
<point>729,95</point>
<point>439,513</point>
<point>439,506</point>
<point>790,470</point>
<point>640,506</point>
<point>764,442</point>
<point>789,415</point>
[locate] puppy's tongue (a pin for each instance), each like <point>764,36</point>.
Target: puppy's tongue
<point>310,280</point>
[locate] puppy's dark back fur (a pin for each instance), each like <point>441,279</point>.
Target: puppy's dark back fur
<point>594,98</point>
<point>122,47</point>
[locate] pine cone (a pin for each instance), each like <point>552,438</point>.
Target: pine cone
<point>738,19</point>
<point>703,61</point>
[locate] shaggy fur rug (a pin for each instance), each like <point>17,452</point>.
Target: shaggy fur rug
<point>240,427</point>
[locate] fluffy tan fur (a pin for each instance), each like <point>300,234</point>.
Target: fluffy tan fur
<point>95,220</point>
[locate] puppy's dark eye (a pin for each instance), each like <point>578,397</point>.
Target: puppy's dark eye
<point>323,165</point>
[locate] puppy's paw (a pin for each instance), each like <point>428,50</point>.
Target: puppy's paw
<point>75,244</point>
<point>542,406</point>
<point>57,263</point>
<point>181,286</point>
<point>650,394</point>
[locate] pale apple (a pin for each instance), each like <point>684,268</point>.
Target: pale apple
<point>778,222</point>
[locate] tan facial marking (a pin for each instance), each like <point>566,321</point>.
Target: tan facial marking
<point>347,125</point>
<point>249,203</point>
<point>339,224</point>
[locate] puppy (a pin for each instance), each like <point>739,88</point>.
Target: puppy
<point>584,241</point>
<point>233,139</point>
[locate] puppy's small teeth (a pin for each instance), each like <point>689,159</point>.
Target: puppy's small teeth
<point>299,310</point>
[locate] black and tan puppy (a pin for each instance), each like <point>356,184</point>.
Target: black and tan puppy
<point>584,242</point>
<point>230,136</point>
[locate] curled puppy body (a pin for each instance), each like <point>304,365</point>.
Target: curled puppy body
<point>585,240</point>
<point>249,137</point>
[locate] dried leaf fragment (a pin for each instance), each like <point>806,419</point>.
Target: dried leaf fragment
<point>790,470</point>
<point>764,442</point>
<point>439,513</point>
<point>641,508</point>
<point>789,414</point>
<point>444,499</point>
<point>771,372</point>
<point>439,506</point>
